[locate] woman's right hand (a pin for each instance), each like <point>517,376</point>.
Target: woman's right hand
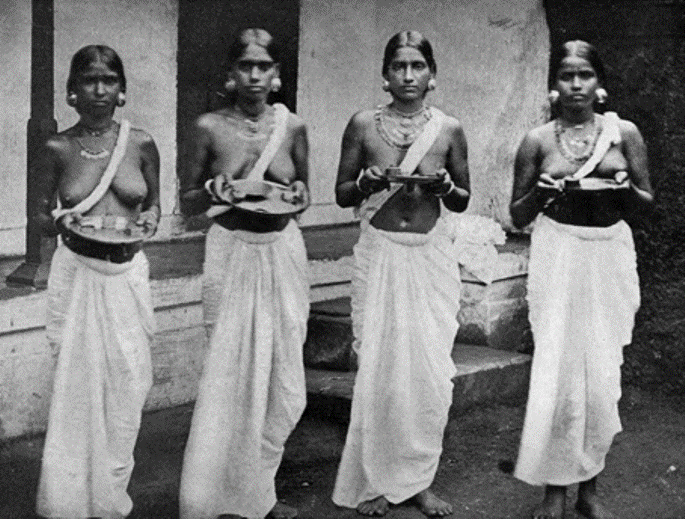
<point>371,180</point>
<point>65,221</point>
<point>215,187</point>
<point>545,181</point>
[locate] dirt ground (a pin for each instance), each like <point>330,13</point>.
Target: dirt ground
<point>644,478</point>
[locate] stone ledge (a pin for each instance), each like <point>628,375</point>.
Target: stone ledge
<point>484,375</point>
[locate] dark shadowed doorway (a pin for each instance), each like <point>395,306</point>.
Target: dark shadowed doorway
<point>205,30</point>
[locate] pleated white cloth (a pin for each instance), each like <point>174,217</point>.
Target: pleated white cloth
<point>252,390</point>
<point>405,300</point>
<point>101,323</point>
<point>583,293</point>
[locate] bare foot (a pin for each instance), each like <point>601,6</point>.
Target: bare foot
<point>432,505</point>
<point>282,511</point>
<point>374,507</point>
<point>590,507</point>
<point>553,505</point>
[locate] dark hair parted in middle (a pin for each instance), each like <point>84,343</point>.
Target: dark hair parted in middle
<point>88,55</point>
<point>258,37</point>
<point>409,39</point>
<point>581,49</point>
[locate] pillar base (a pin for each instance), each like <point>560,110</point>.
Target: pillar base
<point>31,274</point>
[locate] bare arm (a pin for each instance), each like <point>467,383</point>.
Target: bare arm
<point>640,194</point>
<point>194,198</point>
<point>527,199</point>
<point>458,169</point>
<point>351,162</point>
<point>48,166</point>
<point>300,152</point>
<point>149,165</point>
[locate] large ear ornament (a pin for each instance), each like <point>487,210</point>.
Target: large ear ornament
<point>553,96</point>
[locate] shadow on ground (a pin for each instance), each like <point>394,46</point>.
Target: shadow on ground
<point>644,478</point>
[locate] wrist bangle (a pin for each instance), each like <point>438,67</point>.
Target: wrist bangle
<point>358,185</point>
<point>209,187</point>
<point>443,195</point>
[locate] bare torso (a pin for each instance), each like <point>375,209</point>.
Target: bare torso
<point>227,147</point>
<point>411,208</point>
<point>134,188</point>
<point>539,154</point>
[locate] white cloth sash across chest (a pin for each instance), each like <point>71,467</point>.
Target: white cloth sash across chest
<point>101,188</point>
<point>415,154</point>
<point>267,156</point>
<point>610,136</point>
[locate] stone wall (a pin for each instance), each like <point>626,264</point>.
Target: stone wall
<point>642,43</point>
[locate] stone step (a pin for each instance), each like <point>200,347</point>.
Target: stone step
<point>494,315</point>
<point>484,376</point>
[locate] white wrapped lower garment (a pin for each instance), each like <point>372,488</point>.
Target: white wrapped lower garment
<point>100,322</point>
<point>583,293</point>
<point>252,390</point>
<point>405,300</point>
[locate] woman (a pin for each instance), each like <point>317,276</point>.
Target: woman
<point>582,287</point>
<point>255,295</point>
<point>406,285</point>
<point>100,316</point>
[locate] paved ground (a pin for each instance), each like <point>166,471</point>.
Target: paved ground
<point>644,479</point>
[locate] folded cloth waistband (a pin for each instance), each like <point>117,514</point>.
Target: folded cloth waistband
<point>112,252</point>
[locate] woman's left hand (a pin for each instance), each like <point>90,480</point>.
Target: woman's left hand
<point>300,191</point>
<point>442,185</point>
<point>149,219</point>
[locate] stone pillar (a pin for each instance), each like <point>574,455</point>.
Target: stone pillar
<point>40,126</point>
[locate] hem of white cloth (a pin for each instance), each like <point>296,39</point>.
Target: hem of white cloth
<point>348,504</point>
<point>559,482</point>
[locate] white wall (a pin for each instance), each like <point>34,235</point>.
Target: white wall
<point>15,93</point>
<point>144,34</point>
<point>492,70</point>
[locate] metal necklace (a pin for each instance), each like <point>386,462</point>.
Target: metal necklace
<point>400,129</point>
<point>577,148</point>
<point>88,153</point>
<point>248,127</point>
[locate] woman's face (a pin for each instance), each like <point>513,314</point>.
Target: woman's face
<point>253,72</point>
<point>97,89</point>
<point>408,74</point>
<point>577,83</point>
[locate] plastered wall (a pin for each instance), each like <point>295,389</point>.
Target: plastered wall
<point>492,73</point>
<point>15,68</point>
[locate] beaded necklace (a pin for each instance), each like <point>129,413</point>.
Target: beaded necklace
<point>584,143</point>
<point>400,129</point>
<point>91,154</point>
<point>249,127</point>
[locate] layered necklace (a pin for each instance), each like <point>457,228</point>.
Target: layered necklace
<point>576,143</point>
<point>94,154</point>
<point>400,129</point>
<point>251,127</point>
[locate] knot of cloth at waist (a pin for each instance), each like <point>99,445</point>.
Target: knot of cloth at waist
<point>409,239</point>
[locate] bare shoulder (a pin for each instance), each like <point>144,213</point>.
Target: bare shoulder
<point>453,127</point>
<point>141,137</point>
<point>452,123</point>
<point>362,119</point>
<point>539,134</point>
<point>209,121</point>
<point>629,130</point>
<point>359,125</point>
<point>296,124</point>
<point>60,141</point>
